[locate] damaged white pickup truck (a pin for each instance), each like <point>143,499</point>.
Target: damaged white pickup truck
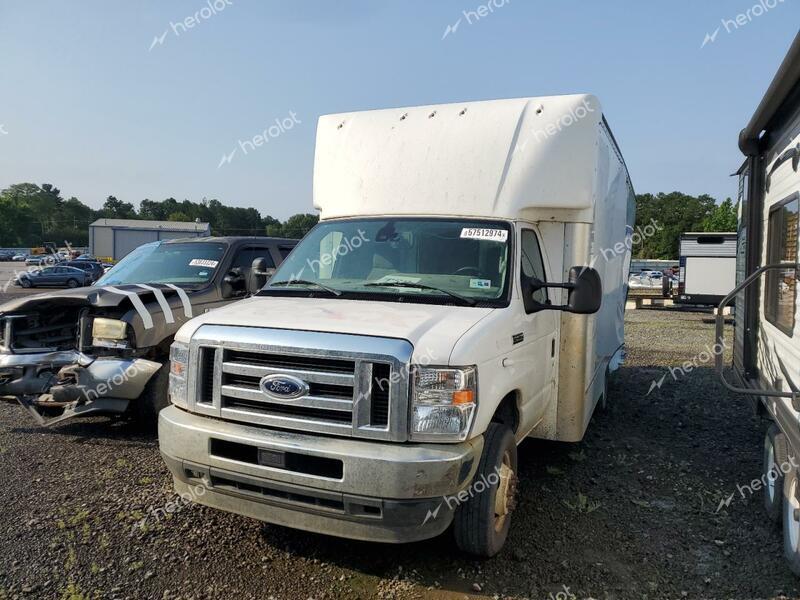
<point>105,348</point>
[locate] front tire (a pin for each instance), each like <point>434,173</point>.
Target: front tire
<point>72,283</point>
<point>481,524</point>
<point>775,458</point>
<point>26,283</point>
<point>154,398</point>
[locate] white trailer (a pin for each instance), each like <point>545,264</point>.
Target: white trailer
<point>767,340</point>
<point>464,290</point>
<point>707,268</point>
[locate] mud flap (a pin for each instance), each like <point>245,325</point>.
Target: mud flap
<point>74,409</point>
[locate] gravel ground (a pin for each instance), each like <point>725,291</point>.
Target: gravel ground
<point>631,512</point>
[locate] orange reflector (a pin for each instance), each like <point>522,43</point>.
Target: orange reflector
<point>464,397</point>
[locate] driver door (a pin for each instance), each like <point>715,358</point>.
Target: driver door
<point>539,329</point>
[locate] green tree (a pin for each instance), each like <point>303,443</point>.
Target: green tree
<point>724,217</point>
<point>298,225</point>
<point>117,209</point>
<point>673,214</point>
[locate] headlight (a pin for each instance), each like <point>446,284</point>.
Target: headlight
<point>109,333</point>
<point>109,329</point>
<point>443,403</point>
<point>178,365</point>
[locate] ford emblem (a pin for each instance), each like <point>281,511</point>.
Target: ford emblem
<point>283,387</point>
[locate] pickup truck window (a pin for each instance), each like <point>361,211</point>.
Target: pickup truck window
<point>454,260</point>
<point>245,256</point>
<point>187,264</point>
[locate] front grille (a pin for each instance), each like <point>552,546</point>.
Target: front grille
<point>350,392</point>
<point>379,407</point>
<point>291,362</point>
<point>206,388</point>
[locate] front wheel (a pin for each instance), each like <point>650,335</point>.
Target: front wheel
<point>73,283</point>
<point>481,524</point>
<point>26,283</point>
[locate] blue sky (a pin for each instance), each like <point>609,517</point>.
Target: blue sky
<point>87,104</point>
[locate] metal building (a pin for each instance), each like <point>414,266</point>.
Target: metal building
<point>115,238</point>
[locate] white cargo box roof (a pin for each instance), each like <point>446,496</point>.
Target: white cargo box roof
<point>501,158</point>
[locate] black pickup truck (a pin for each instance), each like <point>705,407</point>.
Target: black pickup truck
<point>105,348</point>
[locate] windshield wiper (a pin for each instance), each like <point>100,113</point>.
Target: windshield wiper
<point>421,286</point>
<point>330,290</point>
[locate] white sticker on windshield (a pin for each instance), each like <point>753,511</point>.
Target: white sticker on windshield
<point>480,283</point>
<point>203,262</point>
<point>477,233</point>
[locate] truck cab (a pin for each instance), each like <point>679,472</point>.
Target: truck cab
<point>378,386</point>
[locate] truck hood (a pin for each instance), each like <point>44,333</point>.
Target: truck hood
<point>154,312</point>
<point>432,329</point>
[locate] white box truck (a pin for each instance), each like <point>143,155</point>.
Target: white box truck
<point>707,269</point>
<point>464,290</point>
<point>766,349</point>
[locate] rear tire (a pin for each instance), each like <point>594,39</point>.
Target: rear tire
<point>791,521</point>
<point>72,283</point>
<point>481,524</point>
<point>154,398</point>
<point>775,457</point>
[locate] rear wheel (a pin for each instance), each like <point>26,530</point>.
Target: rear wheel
<point>73,283</point>
<point>482,522</point>
<point>154,398</point>
<point>791,521</point>
<point>775,458</point>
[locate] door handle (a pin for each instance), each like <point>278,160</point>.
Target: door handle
<point>553,348</point>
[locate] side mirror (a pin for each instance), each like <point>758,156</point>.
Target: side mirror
<point>260,274</point>
<point>585,292</point>
<point>233,284</point>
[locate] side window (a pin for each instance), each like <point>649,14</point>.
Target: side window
<point>245,256</point>
<point>780,291</point>
<point>285,250</point>
<point>532,263</point>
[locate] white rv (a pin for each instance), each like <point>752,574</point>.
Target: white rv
<point>463,290</point>
<point>707,268</point>
<point>767,339</point>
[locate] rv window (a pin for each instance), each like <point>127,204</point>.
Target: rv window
<point>710,239</point>
<point>532,263</point>
<point>782,247</point>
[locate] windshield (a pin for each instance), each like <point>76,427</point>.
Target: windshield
<point>449,259</point>
<point>189,264</point>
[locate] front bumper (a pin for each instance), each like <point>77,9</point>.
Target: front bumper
<point>71,383</point>
<point>384,492</point>
<point>26,374</point>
